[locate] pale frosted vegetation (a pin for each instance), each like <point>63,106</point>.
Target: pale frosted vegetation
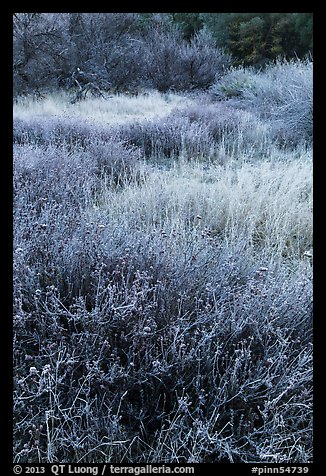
<point>269,204</point>
<point>282,93</point>
<point>163,275</point>
<point>116,109</point>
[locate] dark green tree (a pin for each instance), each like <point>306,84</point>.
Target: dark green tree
<point>256,38</point>
<point>190,23</point>
<point>304,29</point>
<point>247,39</point>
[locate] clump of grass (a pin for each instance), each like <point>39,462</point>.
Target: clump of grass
<point>118,108</point>
<point>267,204</point>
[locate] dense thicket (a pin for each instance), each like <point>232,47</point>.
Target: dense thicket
<point>117,51</point>
<point>166,51</point>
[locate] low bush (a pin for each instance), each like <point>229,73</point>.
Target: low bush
<point>233,83</point>
<point>282,93</point>
<point>57,131</point>
<point>58,149</point>
<point>235,131</point>
<point>171,136</point>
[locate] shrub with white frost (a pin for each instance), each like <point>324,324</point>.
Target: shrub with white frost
<point>282,93</point>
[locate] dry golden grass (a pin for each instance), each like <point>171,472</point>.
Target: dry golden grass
<point>267,203</point>
<point>114,110</point>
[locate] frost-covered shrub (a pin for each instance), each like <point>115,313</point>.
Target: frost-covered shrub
<point>171,63</point>
<point>202,62</point>
<point>236,130</point>
<point>64,149</point>
<point>289,102</point>
<point>51,174</point>
<point>168,137</point>
<point>233,83</point>
<point>282,94</point>
<point>115,160</point>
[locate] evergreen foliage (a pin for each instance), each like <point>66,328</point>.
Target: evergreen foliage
<point>255,38</point>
